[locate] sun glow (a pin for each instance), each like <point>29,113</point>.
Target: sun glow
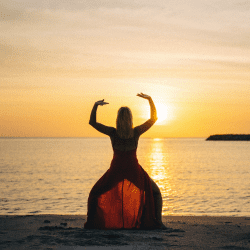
<point>163,113</point>
<point>161,173</point>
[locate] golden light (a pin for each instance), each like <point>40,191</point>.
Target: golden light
<point>163,113</point>
<point>157,139</point>
<point>161,174</point>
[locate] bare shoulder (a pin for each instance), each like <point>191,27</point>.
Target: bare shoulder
<point>144,127</point>
<point>104,129</point>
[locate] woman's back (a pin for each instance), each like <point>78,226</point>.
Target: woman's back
<point>121,144</point>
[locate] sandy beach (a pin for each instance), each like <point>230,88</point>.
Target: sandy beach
<point>67,232</point>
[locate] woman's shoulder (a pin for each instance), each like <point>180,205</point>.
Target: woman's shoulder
<point>145,126</point>
<point>115,134</point>
<point>136,132</point>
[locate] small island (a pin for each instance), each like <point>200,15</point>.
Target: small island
<point>229,137</point>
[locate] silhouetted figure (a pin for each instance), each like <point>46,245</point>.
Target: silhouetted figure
<point>125,196</point>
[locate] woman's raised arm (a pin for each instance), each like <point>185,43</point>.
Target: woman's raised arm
<point>153,115</point>
<point>98,126</point>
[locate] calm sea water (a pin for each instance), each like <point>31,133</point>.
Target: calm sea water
<point>55,175</point>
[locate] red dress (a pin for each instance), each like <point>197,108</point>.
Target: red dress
<point>122,198</point>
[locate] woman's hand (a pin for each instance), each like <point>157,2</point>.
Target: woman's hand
<point>101,102</point>
<point>153,113</point>
<point>144,96</point>
<point>92,120</point>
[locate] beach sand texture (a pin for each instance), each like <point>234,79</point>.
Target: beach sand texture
<point>67,232</point>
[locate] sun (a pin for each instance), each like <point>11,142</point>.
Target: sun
<point>163,113</point>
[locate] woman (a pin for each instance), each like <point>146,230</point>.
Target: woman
<point>125,196</point>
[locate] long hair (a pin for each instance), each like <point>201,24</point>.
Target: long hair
<point>124,123</point>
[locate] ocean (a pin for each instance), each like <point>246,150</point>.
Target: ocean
<point>55,175</point>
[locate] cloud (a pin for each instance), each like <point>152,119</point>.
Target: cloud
<point>77,35</point>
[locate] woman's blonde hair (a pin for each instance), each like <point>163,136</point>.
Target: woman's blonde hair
<point>124,123</point>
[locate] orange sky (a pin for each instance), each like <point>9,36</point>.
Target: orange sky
<point>58,58</point>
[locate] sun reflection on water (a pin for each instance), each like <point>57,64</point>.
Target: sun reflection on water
<point>160,173</point>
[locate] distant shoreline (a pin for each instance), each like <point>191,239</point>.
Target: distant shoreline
<point>229,137</point>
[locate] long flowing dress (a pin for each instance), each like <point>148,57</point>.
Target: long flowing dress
<point>122,198</point>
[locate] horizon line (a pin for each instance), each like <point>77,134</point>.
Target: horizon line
<point>79,137</point>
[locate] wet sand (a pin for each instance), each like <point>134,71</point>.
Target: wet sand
<point>66,232</point>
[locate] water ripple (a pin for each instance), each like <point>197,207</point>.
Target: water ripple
<point>55,175</point>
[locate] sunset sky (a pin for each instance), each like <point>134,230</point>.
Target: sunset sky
<point>59,57</point>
